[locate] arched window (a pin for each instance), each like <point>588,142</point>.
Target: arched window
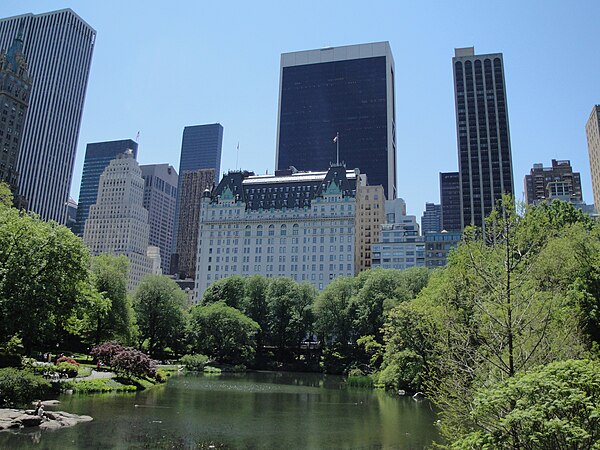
<point>259,230</point>
<point>271,230</point>
<point>283,229</point>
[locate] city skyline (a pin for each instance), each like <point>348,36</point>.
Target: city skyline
<point>241,91</point>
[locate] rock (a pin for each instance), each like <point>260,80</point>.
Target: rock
<point>29,421</point>
<point>401,392</point>
<point>418,396</point>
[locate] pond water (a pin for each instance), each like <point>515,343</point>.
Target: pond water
<point>263,410</point>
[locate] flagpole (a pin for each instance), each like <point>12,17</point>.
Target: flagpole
<point>237,155</point>
<point>337,142</point>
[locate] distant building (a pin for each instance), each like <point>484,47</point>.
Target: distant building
<point>431,220</point>
<point>15,90</point>
<point>59,47</point>
<point>395,210</point>
<point>558,181</point>
<point>450,201</point>
<point>201,148</point>
<point>97,157</point>
<point>292,224</point>
<point>484,152</point>
<point>438,246</point>
<point>160,196</point>
<point>400,246</point>
<point>71,214</point>
<point>592,129</point>
<point>347,90</point>
<point>193,184</point>
<point>370,214</point>
<point>118,223</point>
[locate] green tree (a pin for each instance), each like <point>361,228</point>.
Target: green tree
<point>159,305</point>
<point>223,332</point>
<point>229,290</point>
<point>117,322</point>
<point>6,197</point>
<point>333,312</point>
<point>43,276</point>
<point>283,295</point>
<point>550,407</point>
<point>255,304</point>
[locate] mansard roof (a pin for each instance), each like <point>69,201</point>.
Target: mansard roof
<point>285,189</point>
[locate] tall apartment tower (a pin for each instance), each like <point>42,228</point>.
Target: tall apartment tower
<point>370,215</point>
<point>15,90</point>
<point>97,157</point>
<point>558,181</point>
<point>346,92</point>
<point>484,155</point>
<point>431,220</point>
<point>201,147</point>
<point>118,223</point>
<point>450,201</point>
<point>592,129</point>
<point>193,184</point>
<point>160,196</point>
<point>59,47</point>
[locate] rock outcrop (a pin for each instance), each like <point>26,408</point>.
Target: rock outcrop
<point>11,419</point>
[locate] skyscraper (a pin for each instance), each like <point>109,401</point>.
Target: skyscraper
<point>97,157</point>
<point>15,90</point>
<point>117,222</point>
<point>484,154</point>
<point>558,181</point>
<point>59,48</point>
<point>347,90</point>
<point>431,220</point>
<point>592,130</point>
<point>200,149</point>
<point>160,195</point>
<point>193,184</point>
<point>450,201</point>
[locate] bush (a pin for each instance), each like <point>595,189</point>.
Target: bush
<point>194,362</point>
<point>550,407</point>
<point>66,359</point>
<point>98,386</point>
<point>105,352</point>
<point>19,387</point>
<point>66,368</point>
<point>133,363</point>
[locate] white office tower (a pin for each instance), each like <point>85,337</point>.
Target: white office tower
<point>58,46</point>
<point>118,223</point>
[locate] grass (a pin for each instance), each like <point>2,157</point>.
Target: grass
<point>98,386</point>
<point>362,381</point>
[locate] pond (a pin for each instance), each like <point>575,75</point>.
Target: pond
<point>262,410</point>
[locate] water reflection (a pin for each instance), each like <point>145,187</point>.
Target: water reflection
<point>258,410</point>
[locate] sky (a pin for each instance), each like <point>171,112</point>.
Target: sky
<point>160,66</point>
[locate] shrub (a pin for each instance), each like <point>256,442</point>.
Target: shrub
<point>105,352</point>
<point>133,363</point>
<point>68,369</point>
<point>194,362</point>
<point>19,387</point>
<point>98,386</point>
<point>66,359</point>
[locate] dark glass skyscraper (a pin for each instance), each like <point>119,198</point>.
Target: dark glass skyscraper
<point>97,157</point>
<point>450,201</point>
<point>484,154</point>
<point>347,90</point>
<point>200,149</point>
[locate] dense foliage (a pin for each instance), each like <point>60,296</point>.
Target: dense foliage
<point>127,360</point>
<point>20,387</point>
<point>551,407</point>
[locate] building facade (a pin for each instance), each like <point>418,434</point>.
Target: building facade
<point>97,157</point>
<point>431,220</point>
<point>400,246</point>
<point>292,224</point>
<point>450,201</point>
<point>483,137</point>
<point>592,130</point>
<point>15,90</point>
<point>193,184</point>
<point>345,90</point>
<point>160,196</point>
<point>201,147</point>
<point>59,47</point>
<point>438,246</point>
<point>118,223</point>
<point>558,181</point>
<point>370,214</point>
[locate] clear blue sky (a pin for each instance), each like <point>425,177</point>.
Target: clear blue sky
<point>159,66</point>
